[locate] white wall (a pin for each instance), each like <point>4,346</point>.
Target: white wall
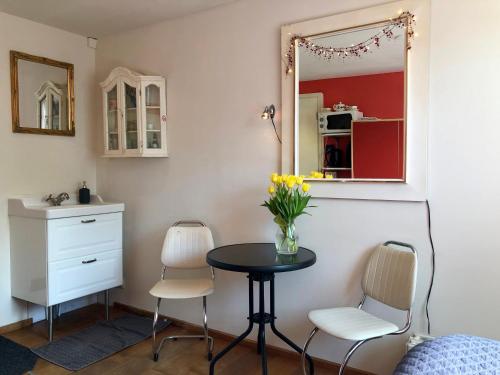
<point>222,67</point>
<point>465,178</point>
<point>40,164</point>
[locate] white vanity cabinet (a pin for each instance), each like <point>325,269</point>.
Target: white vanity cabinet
<point>134,115</point>
<point>59,253</point>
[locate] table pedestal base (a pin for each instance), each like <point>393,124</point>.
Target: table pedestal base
<point>261,318</point>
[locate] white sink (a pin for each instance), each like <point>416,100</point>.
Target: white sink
<point>37,208</point>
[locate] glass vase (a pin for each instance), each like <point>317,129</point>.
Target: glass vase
<point>287,240</point>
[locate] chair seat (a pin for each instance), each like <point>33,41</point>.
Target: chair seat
<point>350,323</point>
<point>182,288</point>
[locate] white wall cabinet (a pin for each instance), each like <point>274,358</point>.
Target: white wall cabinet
<point>134,115</point>
<point>50,101</point>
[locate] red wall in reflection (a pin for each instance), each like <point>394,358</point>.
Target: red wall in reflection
<point>376,95</point>
<point>378,149</point>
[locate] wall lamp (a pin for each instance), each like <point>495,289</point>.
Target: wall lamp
<point>268,114</point>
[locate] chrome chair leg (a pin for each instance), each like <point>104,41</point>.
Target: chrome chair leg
<point>209,341</point>
<point>304,350</point>
<point>349,354</point>
<point>156,349</point>
<point>157,346</point>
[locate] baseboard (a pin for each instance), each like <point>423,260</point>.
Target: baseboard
<point>15,326</point>
<point>318,362</point>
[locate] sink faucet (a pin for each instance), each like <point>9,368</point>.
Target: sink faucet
<point>56,201</point>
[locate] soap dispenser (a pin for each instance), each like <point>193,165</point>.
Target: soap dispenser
<point>84,194</point>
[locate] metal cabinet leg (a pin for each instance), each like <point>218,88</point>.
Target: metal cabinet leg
<point>106,303</point>
<point>50,319</point>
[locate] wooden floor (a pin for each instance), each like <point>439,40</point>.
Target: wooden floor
<point>182,357</point>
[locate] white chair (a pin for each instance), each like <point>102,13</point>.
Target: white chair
<point>185,247</point>
<point>390,277</point>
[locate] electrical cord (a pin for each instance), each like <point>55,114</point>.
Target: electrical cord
<point>433,266</point>
<point>274,126</point>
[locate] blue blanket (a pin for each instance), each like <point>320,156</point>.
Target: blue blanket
<point>451,355</point>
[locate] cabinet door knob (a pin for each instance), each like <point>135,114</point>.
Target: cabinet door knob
<point>89,261</point>
<point>88,221</point>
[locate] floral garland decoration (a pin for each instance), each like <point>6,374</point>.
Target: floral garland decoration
<point>405,19</point>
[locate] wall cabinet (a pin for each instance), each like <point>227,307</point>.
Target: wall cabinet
<point>134,115</point>
<point>50,100</point>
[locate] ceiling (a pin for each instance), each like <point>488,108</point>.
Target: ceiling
<point>98,18</point>
<point>389,57</point>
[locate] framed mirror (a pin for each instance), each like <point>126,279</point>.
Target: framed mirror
<point>395,114</point>
<point>351,103</point>
<point>42,95</point>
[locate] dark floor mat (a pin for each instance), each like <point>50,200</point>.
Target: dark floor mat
<point>15,359</point>
<point>97,342</point>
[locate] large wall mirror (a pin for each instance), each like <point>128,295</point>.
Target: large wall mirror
<point>350,103</point>
<point>42,95</point>
<point>355,102</point>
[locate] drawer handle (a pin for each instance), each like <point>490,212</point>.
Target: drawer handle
<point>88,221</point>
<point>89,261</point>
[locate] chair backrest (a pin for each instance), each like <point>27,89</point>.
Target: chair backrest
<point>187,246</point>
<point>391,277</point>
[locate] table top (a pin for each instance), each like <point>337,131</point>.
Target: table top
<point>258,257</point>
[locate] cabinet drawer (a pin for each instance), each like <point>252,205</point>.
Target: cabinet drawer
<point>82,235</point>
<point>78,277</point>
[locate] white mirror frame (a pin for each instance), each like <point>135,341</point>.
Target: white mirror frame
<point>415,186</point>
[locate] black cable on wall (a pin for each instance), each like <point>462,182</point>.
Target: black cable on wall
<point>274,126</point>
<point>433,266</point>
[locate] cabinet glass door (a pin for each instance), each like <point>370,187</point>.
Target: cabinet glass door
<point>55,115</point>
<point>112,114</point>
<point>44,113</point>
<point>153,117</point>
<point>130,118</point>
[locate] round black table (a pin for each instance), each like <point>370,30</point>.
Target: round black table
<point>261,262</point>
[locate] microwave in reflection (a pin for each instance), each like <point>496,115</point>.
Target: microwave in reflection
<point>337,122</point>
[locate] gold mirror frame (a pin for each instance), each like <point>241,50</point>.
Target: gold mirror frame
<point>296,73</point>
<point>15,56</point>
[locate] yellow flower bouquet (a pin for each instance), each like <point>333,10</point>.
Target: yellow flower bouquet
<point>288,200</point>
